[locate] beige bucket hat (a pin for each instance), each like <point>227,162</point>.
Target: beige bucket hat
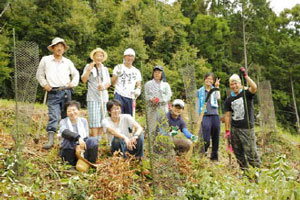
<point>57,40</point>
<point>98,50</point>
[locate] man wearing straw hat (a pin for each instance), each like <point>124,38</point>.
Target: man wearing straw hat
<point>127,80</point>
<point>53,74</point>
<point>97,76</point>
<point>239,120</point>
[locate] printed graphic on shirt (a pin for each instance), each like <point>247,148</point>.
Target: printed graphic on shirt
<point>127,78</point>
<point>238,109</point>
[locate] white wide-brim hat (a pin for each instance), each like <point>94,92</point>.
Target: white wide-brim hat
<point>98,50</point>
<point>57,40</point>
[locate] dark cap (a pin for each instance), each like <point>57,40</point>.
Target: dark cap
<point>158,67</point>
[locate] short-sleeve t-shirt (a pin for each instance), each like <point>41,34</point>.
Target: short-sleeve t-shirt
<point>236,105</point>
<point>178,122</point>
<point>127,79</point>
<point>126,121</point>
<point>93,94</point>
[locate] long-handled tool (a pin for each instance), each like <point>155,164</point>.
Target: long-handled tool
<point>133,112</point>
<point>101,101</point>
<point>198,126</point>
<point>36,138</point>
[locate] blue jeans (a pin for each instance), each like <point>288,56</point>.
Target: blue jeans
<point>126,104</point>
<point>119,144</point>
<point>56,110</point>
<point>68,150</point>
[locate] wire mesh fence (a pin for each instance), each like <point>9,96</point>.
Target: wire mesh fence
<point>165,170</point>
<point>26,57</point>
<point>189,80</point>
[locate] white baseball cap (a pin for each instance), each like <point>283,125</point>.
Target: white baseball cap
<point>129,51</point>
<point>178,102</point>
<point>235,77</point>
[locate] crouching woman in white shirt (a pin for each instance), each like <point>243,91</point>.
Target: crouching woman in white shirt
<point>74,131</point>
<point>118,125</point>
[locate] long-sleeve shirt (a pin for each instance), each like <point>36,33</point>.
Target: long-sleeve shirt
<point>161,90</point>
<point>57,74</point>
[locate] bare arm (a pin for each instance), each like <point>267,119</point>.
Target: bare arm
<point>138,129</point>
<point>116,133</point>
<point>114,79</point>
<point>86,74</point>
<point>252,85</point>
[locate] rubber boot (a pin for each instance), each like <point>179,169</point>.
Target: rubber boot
<point>49,145</point>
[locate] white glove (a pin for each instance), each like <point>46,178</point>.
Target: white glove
<point>137,92</point>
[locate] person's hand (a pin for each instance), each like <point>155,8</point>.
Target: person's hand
<point>106,86</point>
<point>137,92</point>
<point>91,65</point>
<point>82,144</point>
<point>119,72</point>
<point>69,85</point>
<point>47,87</point>
<point>227,134</point>
<point>133,141</point>
<point>243,71</point>
<point>194,138</point>
<point>217,83</point>
<point>155,100</point>
<point>174,132</point>
<point>128,143</point>
<point>101,87</point>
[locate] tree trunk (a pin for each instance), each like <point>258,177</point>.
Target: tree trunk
<point>295,104</point>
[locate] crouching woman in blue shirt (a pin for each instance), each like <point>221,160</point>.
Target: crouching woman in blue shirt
<point>74,131</point>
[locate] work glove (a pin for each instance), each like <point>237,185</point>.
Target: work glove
<point>174,131</point>
<point>137,92</point>
<point>155,100</point>
<point>119,70</point>
<point>227,134</point>
<point>243,71</point>
<point>194,138</point>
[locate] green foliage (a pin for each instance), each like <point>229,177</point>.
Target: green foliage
<point>5,69</point>
<point>278,182</point>
<point>205,34</point>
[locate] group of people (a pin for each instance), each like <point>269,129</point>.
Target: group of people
<point>58,75</point>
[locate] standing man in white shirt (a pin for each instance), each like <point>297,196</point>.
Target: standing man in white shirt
<point>127,80</point>
<point>53,74</point>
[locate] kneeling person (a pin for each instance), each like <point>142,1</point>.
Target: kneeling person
<point>176,122</point>
<point>74,131</point>
<point>118,125</point>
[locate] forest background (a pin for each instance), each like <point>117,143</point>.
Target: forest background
<point>189,32</point>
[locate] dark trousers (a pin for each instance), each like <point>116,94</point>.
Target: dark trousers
<point>211,129</point>
<point>126,103</point>
<point>119,145</point>
<point>243,142</point>
<point>91,152</point>
<point>56,111</point>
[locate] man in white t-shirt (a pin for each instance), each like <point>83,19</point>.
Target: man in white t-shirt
<point>127,80</point>
<point>117,124</point>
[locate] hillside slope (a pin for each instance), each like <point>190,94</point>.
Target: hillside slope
<point>38,174</point>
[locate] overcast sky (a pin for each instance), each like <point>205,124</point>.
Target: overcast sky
<point>276,5</point>
<point>279,5</point>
